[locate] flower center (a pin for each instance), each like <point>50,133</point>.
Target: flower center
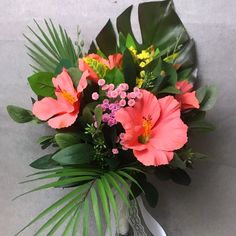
<point>70,98</point>
<point>147,128</point>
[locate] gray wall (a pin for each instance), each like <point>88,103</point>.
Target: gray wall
<point>208,206</point>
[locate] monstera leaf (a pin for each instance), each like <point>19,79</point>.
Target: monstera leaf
<point>160,26</point>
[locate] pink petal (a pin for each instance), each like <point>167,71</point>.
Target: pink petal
<point>153,157</point>
<point>188,100</point>
<point>184,86</point>
<point>63,121</point>
<point>170,133</point>
<point>48,107</point>
<point>115,60</point>
<point>83,82</point>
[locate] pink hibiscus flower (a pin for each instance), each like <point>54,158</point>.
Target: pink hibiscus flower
<point>63,111</point>
<point>114,60</point>
<point>153,129</point>
<point>187,98</point>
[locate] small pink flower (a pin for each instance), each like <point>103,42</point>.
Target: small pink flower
<point>131,102</point>
<point>101,82</point>
<point>105,87</point>
<point>139,95</point>
<point>114,94</point>
<point>105,101</point>
<point>136,90</point>
<point>123,95</point>
<point>132,95</point>
<point>95,96</point>
<point>122,102</point>
<point>115,151</point>
<point>111,86</point>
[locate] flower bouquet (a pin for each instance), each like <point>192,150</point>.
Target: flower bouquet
<point>121,111</point>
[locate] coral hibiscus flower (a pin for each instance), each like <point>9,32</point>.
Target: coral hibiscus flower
<point>187,98</point>
<point>63,111</point>
<point>97,65</point>
<point>153,129</point>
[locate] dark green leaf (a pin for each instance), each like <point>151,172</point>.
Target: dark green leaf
<point>41,84</point>
<point>44,162</point>
<point>129,69</point>
<point>201,125</point>
<point>74,155</point>
<point>106,39</point>
<point>207,97</point>
<point>114,76</point>
<point>163,172</point>
<point>67,139</point>
<point>19,115</point>
<point>177,162</point>
<point>98,115</point>
<point>170,90</point>
<point>180,177</point>
<point>64,63</point>
<point>151,194</point>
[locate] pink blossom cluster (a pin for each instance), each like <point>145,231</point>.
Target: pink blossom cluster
<point>116,98</point>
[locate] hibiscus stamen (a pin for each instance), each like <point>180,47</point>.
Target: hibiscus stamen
<point>147,128</point>
<point>69,97</point>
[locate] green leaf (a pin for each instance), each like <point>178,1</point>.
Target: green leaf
<point>86,218</point>
<point>44,162</point>
<point>76,223</point>
<point>130,42</point>
<point>201,125</point>
<point>171,73</point>
<point>54,206</point>
<point>180,177</point>
<point>207,97</point>
<point>170,90</point>
<point>75,74</point>
<point>114,76</point>
<point>67,139</point>
<point>106,39</point>
<point>41,84</point>
<point>163,173</point>
<point>177,162</point>
<point>64,63</point>
<point>184,74</point>
<point>96,211</point>
<point>122,43</point>
<point>129,69</point>
<point>98,115</point>
<point>19,115</point>
<point>151,194</point>
<point>74,155</point>
<point>104,201</point>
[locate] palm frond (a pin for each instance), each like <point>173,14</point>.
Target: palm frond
<point>53,48</point>
<point>102,188</point>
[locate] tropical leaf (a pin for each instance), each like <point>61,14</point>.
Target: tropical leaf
<point>52,50</point>
<point>102,187</point>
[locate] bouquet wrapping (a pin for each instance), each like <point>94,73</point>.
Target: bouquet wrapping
<point>121,111</point>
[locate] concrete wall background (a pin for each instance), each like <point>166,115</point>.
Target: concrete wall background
<point>208,206</point>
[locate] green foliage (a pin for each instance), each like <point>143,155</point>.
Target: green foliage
<point>66,211</point>
<point>207,97</point>
<point>65,140</point>
<point>76,154</point>
<point>41,84</point>
<point>114,76</point>
<point>20,115</point>
<point>44,162</point>
<point>54,49</point>
<point>75,74</point>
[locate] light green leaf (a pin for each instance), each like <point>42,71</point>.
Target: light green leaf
<point>96,211</point>
<point>86,218</point>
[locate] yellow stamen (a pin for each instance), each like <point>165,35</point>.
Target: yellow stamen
<point>147,128</point>
<point>69,97</point>
<point>139,82</point>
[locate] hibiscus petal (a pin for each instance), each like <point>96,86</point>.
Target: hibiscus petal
<point>153,157</point>
<point>48,107</point>
<point>188,100</point>
<point>184,86</point>
<point>115,60</point>
<point>63,82</point>
<point>169,133</point>
<point>63,121</point>
<point>83,82</point>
